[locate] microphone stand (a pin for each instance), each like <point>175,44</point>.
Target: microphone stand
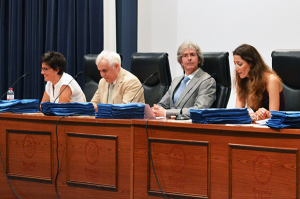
<point>14,84</point>
<point>80,73</point>
<point>154,74</point>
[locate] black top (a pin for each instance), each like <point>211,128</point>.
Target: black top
<point>265,100</point>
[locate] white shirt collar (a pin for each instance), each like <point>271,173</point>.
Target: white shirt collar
<point>58,83</point>
<point>191,75</point>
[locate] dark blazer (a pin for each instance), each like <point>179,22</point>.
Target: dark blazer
<point>200,93</point>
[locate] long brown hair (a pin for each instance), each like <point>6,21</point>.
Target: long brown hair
<point>251,88</point>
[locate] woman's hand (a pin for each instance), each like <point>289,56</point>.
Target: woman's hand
<point>262,114</point>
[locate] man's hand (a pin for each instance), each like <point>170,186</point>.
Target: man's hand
<point>158,111</point>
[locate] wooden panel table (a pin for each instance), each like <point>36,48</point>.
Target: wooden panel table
<point>215,161</point>
<point>110,159</point>
<point>95,157</point>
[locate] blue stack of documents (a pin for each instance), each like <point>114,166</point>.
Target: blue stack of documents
<point>19,106</point>
<point>220,116</point>
<point>281,120</point>
<point>121,111</point>
<point>104,111</point>
<point>62,109</point>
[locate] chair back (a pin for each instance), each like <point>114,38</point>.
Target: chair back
<point>286,63</point>
<point>217,65</point>
<point>145,64</point>
<point>91,75</point>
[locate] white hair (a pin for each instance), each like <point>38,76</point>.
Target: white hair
<point>111,57</point>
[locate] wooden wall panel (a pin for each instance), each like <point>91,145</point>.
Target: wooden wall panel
<point>98,158</point>
<point>28,155</point>
<point>262,172</point>
<point>181,166</point>
<point>92,160</point>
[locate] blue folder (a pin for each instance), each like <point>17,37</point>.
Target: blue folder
<point>74,108</point>
<point>19,106</point>
<point>120,111</point>
<point>220,116</point>
<point>284,119</point>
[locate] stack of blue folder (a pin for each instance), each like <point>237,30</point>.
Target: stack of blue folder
<point>104,111</point>
<point>281,119</point>
<point>62,109</point>
<point>121,111</point>
<point>19,106</point>
<point>220,116</point>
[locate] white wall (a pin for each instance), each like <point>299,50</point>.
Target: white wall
<point>109,25</point>
<point>218,25</point>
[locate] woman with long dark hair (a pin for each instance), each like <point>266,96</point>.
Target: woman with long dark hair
<point>258,87</point>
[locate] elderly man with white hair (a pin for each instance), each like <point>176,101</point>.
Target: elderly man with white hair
<point>117,85</point>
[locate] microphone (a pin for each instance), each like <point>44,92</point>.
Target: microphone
<point>15,83</point>
<point>79,74</point>
<point>154,74</point>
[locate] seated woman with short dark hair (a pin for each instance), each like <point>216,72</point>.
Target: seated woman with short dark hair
<point>53,69</point>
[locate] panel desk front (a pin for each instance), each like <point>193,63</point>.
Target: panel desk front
<point>214,161</point>
<point>95,157</point>
<point>101,158</point>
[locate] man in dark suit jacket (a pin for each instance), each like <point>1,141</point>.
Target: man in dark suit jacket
<point>198,91</point>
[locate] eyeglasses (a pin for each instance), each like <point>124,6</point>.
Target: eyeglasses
<point>44,69</point>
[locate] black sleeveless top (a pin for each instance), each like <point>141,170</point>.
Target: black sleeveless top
<point>265,100</point>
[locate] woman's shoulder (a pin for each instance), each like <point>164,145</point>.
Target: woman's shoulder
<point>66,78</point>
<point>273,81</point>
<point>272,78</point>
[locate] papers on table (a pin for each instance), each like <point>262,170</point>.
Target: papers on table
<point>61,109</point>
<point>220,116</point>
<point>284,119</point>
<point>120,111</point>
<point>261,122</point>
<point>19,106</point>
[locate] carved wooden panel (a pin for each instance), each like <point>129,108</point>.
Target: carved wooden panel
<point>255,171</point>
<point>92,160</point>
<point>29,155</point>
<point>182,168</point>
